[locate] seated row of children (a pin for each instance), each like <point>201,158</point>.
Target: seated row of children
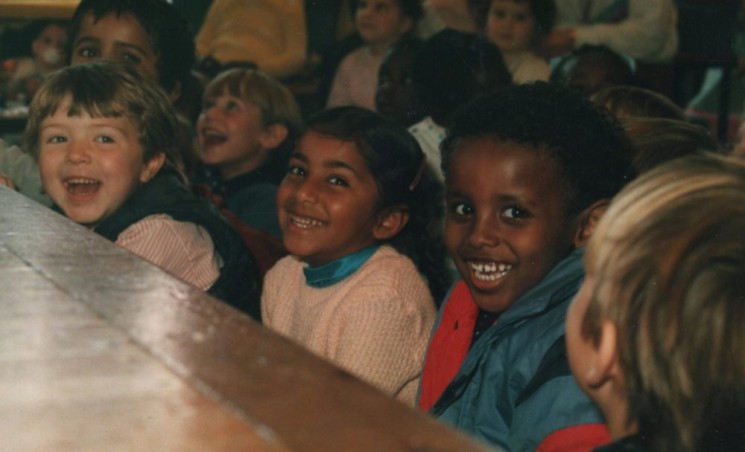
<point>358,208</point>
<point>359,215</point>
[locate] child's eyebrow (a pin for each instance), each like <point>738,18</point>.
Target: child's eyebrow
<point>119,44</point>
<point>86,40</point>
<point>332,164</point>
<point>335,164</point>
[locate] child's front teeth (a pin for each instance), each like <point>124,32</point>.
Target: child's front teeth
<point>491,271</point>
<point>305,222</point>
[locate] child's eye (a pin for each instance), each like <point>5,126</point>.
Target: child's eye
<point>55,139</point>
<point>460,209</point>
<point>336,180</point>
<point>88,52</point>
<point>499,14</point>
<point>104,139</point>
<point>295,170</point>
<point>515,213</point>
<point>231,106</point>
<point>131,58</point>
<point>521,18</point>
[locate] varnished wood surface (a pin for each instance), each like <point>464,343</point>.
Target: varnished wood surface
<point>99,350</point>
<point>38,9</point>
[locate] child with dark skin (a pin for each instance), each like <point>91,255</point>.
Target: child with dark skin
<point>397,96</point>
<point>529,170</point>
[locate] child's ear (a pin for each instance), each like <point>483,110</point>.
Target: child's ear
<point>273,135</point>
<point>605,367</point>
<point>390,222</point>
<point>588,220</point>
<point>152,166</point>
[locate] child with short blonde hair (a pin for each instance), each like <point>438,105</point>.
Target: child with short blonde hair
<point>246,131</point>
<point>655,336</point>
<point>359,213</point>
<point>104,137</point>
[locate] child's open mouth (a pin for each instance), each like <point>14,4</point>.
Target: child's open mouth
<point>490,271</point>
<point>81,187</point>
<point>305,223</point>
<point>212,138</point>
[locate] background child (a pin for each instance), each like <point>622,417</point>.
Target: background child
<point>633,101</point>
<point>397,96</point>
<point>380,23</point>
<point>591,68</point>
<point>516,27</point>
<point>524,190</point>
<point>358,212</point>
<point>655,334</point>
<point>147,34</point>
<point>47,54</point>
<point>248,126</point>
<point>104,139</point>
<point>657,140</point>
<point>452,69</point>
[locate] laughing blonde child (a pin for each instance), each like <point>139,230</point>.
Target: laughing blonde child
<point>104,137</point>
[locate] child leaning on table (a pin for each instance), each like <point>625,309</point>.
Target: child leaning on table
<point>655,335</point>
<point>524,190</point>
<point>104,137</point>
<point>359,214</point>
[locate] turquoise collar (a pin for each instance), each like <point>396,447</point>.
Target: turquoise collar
<point>331,273</point>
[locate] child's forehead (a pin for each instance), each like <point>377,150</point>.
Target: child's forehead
<point>476,152</point>
<point>68,111</point>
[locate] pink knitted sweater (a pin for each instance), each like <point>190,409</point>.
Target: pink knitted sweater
<point>375,323</point>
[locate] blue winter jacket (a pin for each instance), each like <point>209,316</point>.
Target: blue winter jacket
<point>499,393</point>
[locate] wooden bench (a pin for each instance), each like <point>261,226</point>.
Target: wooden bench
<point>99,350</point>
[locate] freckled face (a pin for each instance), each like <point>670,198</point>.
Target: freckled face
<point>510,26</point>
<point>328,200</point>
<point>91,165</point>
<point>115,37</point>
<point>506,223</point>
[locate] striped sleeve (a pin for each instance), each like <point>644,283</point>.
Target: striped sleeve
<point>183,249</point>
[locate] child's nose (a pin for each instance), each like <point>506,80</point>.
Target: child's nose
<point>485,232</point>
<point>78,153</point>
<point>307,192</point>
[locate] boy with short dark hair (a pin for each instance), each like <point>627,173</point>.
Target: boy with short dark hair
<point>529,170</point>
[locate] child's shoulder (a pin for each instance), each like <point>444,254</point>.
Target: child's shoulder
<point>390,270</point>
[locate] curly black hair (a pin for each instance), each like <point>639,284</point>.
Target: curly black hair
<point>586,142</point>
